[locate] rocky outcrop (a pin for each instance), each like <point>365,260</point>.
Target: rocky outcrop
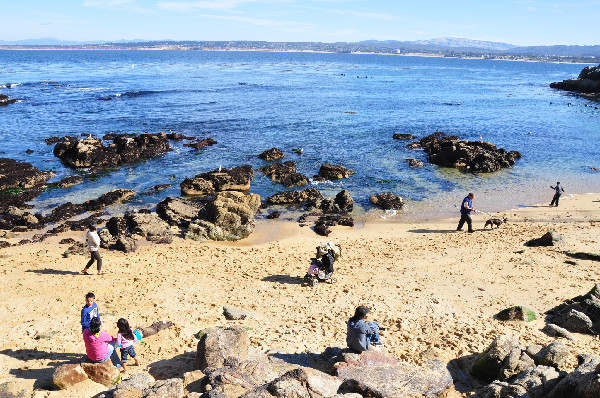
<point>588,81</point>
<point>218,346</point>
<point>400,136</point>
<point>125,148</point>
<point>582,382</point>
<point>203,143</point>
<point>179,211</point>
<point>125,244</point>
<point>67,182</point>
<point>229,217</point>
<point>534,382</point>
<point>5,100</point>
<point>206,184</point>
<point>104,373</point>
<point>150,226</point>
<point>295,197</point>
<point>341,204</point>
<point>550,238</point>
<point>581,314</point>
<point>272,154</point>
<point>20,182</point>
<point>68,375</point>
<point>285,174</point>
<point>332,172</point>
<point>387,201</point>
<point>471,156</point>
<point>377,374</point>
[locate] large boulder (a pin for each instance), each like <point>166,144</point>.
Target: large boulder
<point>387,201</point>
<point>138,385</point>
<point>20,182</point>
<point>341,204</point>
<point>553,355</point>
<point>235,179</point>
<point>472,156</point>
<point>534,382</point>
<point>272,154</point>
<point>125,244</point>
<point>91,152</point>
<point>378,374</point>
<point>581,314</point>
<point>149,225</point>
<point>216,346</point>
<point>295,197</point>
<point>332,172</point>
<point>550,238</point>
<point>104,373</point>
<point>285,174</point>
<point>588,81</point>
<point>583,382</point>
<point>305,382</point>
<point>489,364</point>
<point>68,375</point>
<point>178,211</point>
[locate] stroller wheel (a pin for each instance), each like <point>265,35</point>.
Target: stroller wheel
<point>314,282</point>
<point>333,280</point>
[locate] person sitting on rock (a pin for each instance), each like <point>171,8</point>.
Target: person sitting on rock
<point>99,344</point>
<point>362,334</point>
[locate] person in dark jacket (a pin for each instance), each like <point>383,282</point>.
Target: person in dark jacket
<point>558,191</point>
<point>465,210</point>
<point>361,334</point>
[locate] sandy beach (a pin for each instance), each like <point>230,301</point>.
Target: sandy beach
<point>434,289</point>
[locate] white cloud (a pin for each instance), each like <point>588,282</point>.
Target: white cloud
<point>115,5</point>
<point>223,5</point>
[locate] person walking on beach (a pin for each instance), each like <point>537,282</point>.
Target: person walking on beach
<point>465,213</point>
<point>93,243</point>
<point>361,334</point>
<point>89,311</point>
<point>558,191</point>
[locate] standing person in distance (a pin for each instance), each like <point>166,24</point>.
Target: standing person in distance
<point>465,212</point>
<point>558,191</point>
<point>93,243</point>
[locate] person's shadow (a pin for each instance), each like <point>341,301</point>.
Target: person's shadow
<point>431,231</point>
<point>284,279</point>
<point>50,271</point>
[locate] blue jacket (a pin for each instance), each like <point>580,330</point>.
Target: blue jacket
<point>87,313</point>
<point>463,208</point>
<point>356,336</point>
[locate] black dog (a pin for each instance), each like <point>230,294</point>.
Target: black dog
<point>494,221</point>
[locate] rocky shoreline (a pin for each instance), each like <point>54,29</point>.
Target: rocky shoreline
<point>587,83</point>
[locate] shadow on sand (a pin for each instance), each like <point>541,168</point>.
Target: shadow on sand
<point>431,231</point>
<point>50,271</point>
<point>284,279</point>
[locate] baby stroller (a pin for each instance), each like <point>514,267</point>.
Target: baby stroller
<point>321,267</point>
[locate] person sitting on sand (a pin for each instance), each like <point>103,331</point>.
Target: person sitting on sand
<point>125,338</point>
<point>98,344</point>
<point>361,334</point>
<point>89,311</point>
<point>93,242</point>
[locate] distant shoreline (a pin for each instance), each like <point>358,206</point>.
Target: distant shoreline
<point>407,54</point>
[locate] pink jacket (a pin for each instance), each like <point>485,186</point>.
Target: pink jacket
<point>124,342</point>
<point>96,346</point>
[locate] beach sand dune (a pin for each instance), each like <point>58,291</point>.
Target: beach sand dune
<point>434,289</point>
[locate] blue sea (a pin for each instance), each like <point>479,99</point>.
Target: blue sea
<point>340,108</point>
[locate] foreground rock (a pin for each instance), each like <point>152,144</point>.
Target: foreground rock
<point>216,346</point>
<point>91,152</point>
<point>387,201</point>
<point>104,373</point>
<point>550,238</point>
<point>207,184</point>
<point>272,154</point>
<point>285,174</point>
<point>68,375</point>
<point>332,172</point>
<point>588,81</point>
<point>472,156</point>
<point>377,374</point>
<point>20,182</point>
<point>179,211</point>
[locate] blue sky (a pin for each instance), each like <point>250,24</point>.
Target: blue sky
<point>521,22</point>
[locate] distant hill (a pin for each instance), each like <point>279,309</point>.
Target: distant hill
<point>561,51</point>
<point>465,43</point>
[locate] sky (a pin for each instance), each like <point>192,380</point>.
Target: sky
<point>519,22</point>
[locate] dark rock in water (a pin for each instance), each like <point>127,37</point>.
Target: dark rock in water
<point>341,204</point>
<point>550,238</point>
<point>91,152</point>
<point>206,184</point>
<point>284,174</point>
<point>29,151</point>
<point>20,182</point>
<point>68,182</point>
<point>387,201</point>
<point>399,136</point>
<point>125,244</point>
<point>203,143</point>
<point>178,211</point>
<point>272,154</point>
<point>323,223</point>
<point>332,172</point>
<point>377,374</point>
<point>161,187</point>
<point>588,81</point>
<point>294,197</point>
<point>517,313</point>
<point>273,215</point>
<point>472,156</point>
<point>5,100</point>
<point>414,163</point>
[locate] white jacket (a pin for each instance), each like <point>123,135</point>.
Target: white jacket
<point>93,241</point>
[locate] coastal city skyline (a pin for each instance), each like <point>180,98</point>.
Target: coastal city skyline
<point>518,22</point>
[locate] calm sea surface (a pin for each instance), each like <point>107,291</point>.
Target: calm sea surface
<point>341,108</point>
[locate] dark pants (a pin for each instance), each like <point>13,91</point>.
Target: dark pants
<point>555,199</point>
<point>465,218</point>
<point>95,255</point>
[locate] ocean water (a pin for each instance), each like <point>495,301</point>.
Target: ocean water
<point>341,108</point>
